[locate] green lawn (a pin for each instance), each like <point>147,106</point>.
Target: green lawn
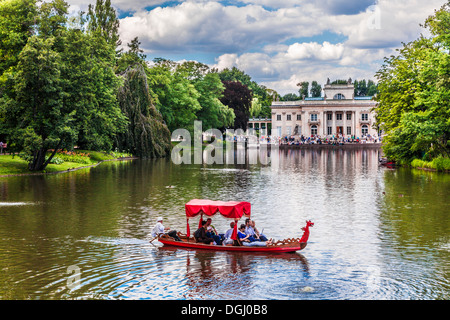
<point>70,160</point>
<point>10,165</point>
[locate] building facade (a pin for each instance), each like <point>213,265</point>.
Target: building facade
<point>337,113</point>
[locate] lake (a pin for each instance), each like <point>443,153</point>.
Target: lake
<point>379,233</point>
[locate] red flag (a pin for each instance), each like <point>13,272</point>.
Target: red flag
<point>188,230</point>
<point>234,234</point>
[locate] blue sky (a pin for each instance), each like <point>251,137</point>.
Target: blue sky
<point>277,42</point>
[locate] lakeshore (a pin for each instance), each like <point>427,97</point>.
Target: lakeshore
<point>13,165</point>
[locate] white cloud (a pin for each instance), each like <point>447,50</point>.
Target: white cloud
<point>277,42</point>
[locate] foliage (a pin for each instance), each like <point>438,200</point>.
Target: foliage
<point>439,164</point>
<point>290,97</point>
<point>62,88</point>
<point>146,136</point>
<point>363,88</point>
<point>316,89</point>
<point>213,113</point>
<point>264,95</point>
<point>16,25</point>
<point>238,97</point>
<point>176,97</point>
<point>414,95</point>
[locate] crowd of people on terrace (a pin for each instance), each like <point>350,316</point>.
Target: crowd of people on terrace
<point>338,139</point>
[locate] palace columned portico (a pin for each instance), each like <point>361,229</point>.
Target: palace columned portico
<point>263,125</point>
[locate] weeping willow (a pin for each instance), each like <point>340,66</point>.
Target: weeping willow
<point>147,136</point>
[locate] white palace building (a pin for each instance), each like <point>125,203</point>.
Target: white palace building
<point>337,113</point>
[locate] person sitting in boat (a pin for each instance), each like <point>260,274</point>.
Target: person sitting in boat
<point>211,232</point>
<point>228,234</point>
<point>200,234</point>
<point>250,231</point>
<point>258,235</point>
<point>246,239</point>
<point>159,229</point>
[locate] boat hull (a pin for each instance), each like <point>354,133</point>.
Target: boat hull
<point>196,245</point>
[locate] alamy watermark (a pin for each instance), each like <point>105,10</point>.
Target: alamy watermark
<point>74,278</point>
<point>374,17</point>
<point>232,147</point>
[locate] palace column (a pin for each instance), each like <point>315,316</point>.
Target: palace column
<point>344,129</point>
<point>333,129</point>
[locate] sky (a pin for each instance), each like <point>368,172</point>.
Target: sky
<point>279,43</point>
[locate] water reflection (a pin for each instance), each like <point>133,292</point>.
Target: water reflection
<point>378,233</point>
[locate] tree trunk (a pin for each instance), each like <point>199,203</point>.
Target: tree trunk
<point>38,160</point>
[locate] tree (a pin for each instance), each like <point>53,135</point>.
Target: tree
<point>414,95</point>
<point>16,26</point>
<point>34,116</point>
<point>90,87</point>
<point>258,91</point>
<point>146,136</point>
<point>304,89</point>
<point>132,56</point>
<point>213,113</point>
<point>239,98</point>
<point>102,19</point>
<point>290,97</point>
<point>316,89</point>
<point>175,96</point>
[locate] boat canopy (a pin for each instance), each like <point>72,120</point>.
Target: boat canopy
<point>230,209</point>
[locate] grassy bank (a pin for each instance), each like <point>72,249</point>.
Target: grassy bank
<point>63,161</point>
<point>437,164</point>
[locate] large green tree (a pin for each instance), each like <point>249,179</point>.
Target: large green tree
<point>34,117</point>
<point>62,90</point>
<point>146,136</point>
<point>175,96</point>
<point>414,95</point>
<point>238,97</point>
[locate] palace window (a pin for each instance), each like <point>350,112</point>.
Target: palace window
<point>339,96</point>
<point>288,130</point>
<point>329,130</point>
<point>288,117</point>
<point>314,130</point>
<point>329,116</point>
<point>364,130</point>
<point>365,116</point>
<point>299,117</point>
<point>278,117</point>
<point>314,117</point>
<point>349,116</point>
<point>338,116</point>
<point>279,131</point>
<point>349,130</point>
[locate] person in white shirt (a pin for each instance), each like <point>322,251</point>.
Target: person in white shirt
<point>228,234</point>
<point>160,229</point>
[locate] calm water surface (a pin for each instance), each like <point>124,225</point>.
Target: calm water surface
<point>378,234</point>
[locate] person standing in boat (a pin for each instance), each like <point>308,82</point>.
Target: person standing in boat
<point>160,229</point>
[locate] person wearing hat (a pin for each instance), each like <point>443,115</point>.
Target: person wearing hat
<point>160,229</point>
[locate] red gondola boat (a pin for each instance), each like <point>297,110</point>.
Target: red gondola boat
<point>232,210</point>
